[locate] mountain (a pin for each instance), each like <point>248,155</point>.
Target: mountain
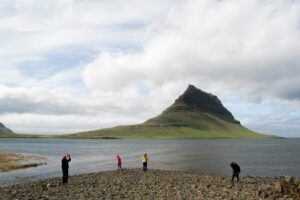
<point>193,101</point>
<point>4,130</point>
<point>194,114</point>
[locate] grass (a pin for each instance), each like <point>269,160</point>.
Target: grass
<point>195,114</point>
<point>14,161</point>
<point>174,125</point>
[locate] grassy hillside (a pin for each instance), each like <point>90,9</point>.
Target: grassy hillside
<point>194,114</point>
<point>185,125</point>
<point>5,132</point>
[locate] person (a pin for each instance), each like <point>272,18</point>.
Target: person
<point>119,162</point>
<point>145,161</point>
<point>236,171</point>
<point>65,167</point>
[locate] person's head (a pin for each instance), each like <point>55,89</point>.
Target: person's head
<point>64,156</point>
<point>118,156</point>
<point>232,163</point>
<point>145,154</point>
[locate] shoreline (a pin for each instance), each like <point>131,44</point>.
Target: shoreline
<point>154,184</point>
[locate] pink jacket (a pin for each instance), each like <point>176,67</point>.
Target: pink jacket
<point>119,161</point>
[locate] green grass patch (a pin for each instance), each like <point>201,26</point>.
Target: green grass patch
<point>174,125</point>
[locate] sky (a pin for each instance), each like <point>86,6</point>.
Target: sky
<point>74,65</point>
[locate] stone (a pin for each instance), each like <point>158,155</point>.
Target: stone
<point>264,195</point>
<point>278,187</point>
<point>289,179</point>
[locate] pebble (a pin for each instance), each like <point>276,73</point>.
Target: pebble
<point>154,184</point>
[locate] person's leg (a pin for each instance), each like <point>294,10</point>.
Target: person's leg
<point>120,167</point>
<point>232,178</point>
<point>144,166</point>
<point>237,177</point>
<point>63,176</point>
<point>67,175</point>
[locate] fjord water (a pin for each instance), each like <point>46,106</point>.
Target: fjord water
<point>257,157</point>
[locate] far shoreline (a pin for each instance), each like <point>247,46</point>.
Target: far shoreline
<point>66,136</point>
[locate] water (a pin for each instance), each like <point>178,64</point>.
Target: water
<point>266,157</point>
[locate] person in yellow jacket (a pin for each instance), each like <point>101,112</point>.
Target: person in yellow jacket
<point>144,161</point>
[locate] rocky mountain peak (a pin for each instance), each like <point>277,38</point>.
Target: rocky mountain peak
<point>194,99</point>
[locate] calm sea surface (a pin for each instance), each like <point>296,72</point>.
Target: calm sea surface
<point>266,157</point>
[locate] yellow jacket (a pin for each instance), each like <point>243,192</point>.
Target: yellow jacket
<point>144,158</point>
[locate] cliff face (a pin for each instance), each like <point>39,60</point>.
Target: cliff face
<point>196,109</point>
<point>196,100</point>
<point>5,130</point>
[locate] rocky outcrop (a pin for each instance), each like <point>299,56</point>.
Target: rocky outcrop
<point>194,99</point>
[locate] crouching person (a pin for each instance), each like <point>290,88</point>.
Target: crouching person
<point>236,170</point>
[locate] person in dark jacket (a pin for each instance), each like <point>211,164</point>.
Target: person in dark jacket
<point>236,170</point>
<point>65,167</point>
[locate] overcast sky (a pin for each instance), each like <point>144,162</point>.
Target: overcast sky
<point>76,65</point>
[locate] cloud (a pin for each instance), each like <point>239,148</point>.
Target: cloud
<point>93,64</point>
<point>53,124</point>
<point>217,41</point>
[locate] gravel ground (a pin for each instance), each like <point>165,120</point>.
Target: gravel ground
<point>154,184</point>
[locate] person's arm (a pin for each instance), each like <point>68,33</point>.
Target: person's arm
<point>69,160</point>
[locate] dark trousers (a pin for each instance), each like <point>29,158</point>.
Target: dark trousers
<point>120,167</point>
<point>235,174</point>
<point>65,175</point>
<point>144,166</point>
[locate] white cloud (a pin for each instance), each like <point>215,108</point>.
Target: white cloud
<point>214,40</point>
<point>141,56</point>
<point>53,124</point>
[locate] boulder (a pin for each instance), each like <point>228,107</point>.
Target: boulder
<point>278,187</point>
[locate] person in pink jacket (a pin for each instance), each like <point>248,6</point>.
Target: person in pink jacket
<point>119,162</point>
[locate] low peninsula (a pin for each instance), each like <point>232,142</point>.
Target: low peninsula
<point>15,161</point>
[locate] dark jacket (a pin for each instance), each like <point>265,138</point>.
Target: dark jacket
<point>65,163</point>
<point>235,167</point>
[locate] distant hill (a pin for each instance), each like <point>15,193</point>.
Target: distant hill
<point>194,114</point>
<point>4,130</point>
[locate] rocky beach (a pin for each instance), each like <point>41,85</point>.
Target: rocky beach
<point>154,184</point>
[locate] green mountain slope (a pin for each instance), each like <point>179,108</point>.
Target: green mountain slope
<point>5,131</point>
<point>195,114</point>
